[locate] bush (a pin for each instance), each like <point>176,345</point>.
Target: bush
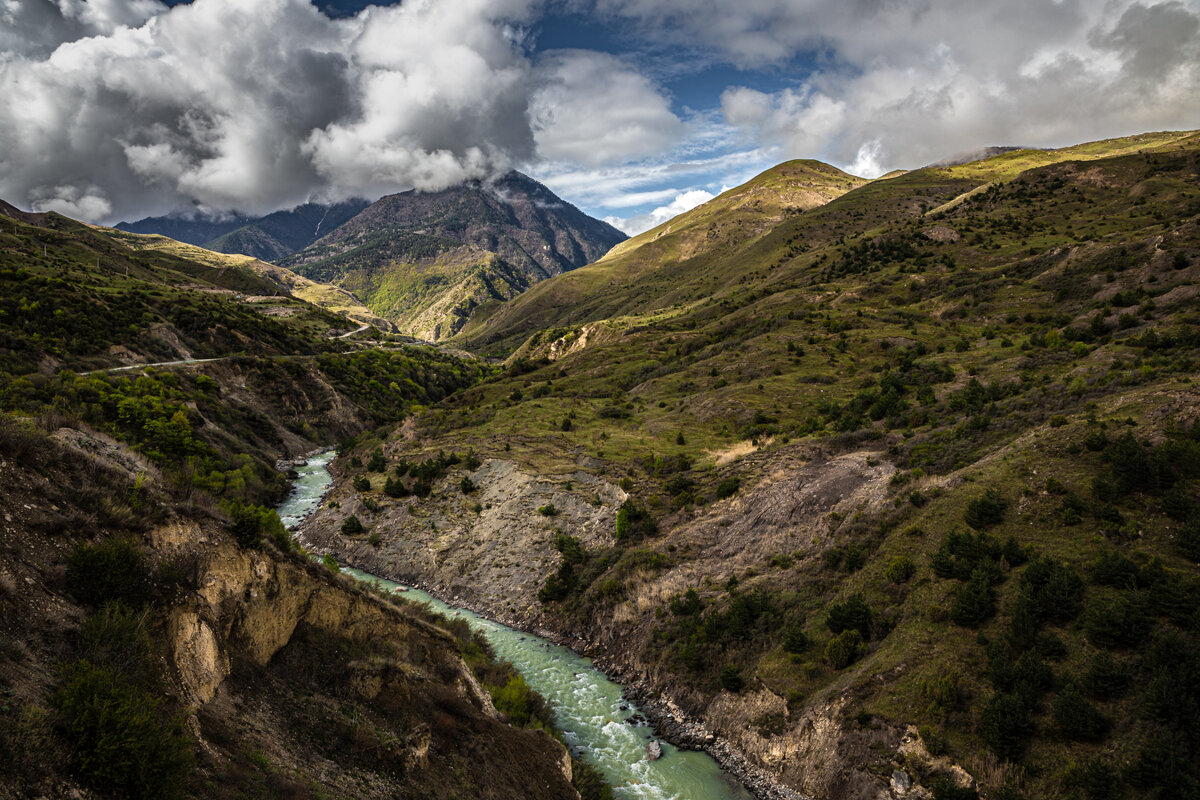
<point>123,738</point>
<point>633,521</point>
<point>1122,622</point>
<point>548,510</point>
<point>854,614</point>
<point>251,523</point>
<point>728,487</point>
<point>1051,591</point>
<point>900,569</point>
<point>1005,724</point>
<point>686,605</point>
<point>1098,779</point>
<point>1105,678</point>
<point>975,601</point>
<point>731,679</point>
<point>113,570</point>
<point>394,487</point>
<point>1076,718</point>
<point>377,463</point>
<point>844,649</point>
<point>352,526</point>
<point>361,483</point>
<point>944,788</point>
<point>795,640</point>
<point>986,511</point>
<point>466,485</point>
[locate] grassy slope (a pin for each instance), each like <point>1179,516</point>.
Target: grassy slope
<point>1040,287</point>
<point>662,266</point>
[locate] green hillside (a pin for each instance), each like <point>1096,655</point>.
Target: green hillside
<point>924,453</point>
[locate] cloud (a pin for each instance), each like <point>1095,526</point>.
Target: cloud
<point>590,108</point>
<point>684,201</point>
<point>124,108</point>
<point>901,83</point>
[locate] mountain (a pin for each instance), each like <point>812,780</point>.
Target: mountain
<point>893,494</point>
<point>267,238</point>
<point>431,260</point>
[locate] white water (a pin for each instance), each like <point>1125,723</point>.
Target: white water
<point>588,707</point>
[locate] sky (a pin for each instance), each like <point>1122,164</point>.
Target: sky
<point>633,110</point>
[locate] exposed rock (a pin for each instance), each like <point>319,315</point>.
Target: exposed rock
<point>654,750</point>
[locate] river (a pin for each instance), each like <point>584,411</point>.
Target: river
<point>598,724</point>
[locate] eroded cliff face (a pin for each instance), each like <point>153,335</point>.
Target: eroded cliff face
<point>492,550</point>
<point>291,678</point>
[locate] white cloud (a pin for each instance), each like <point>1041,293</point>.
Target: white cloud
<point>590,108</point>
<point>254,104</point>
<point>684,201</point>
<point>901,83</point>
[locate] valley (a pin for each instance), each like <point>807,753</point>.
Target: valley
<point>869,489</point>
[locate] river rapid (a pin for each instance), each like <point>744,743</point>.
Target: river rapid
<point>599,725</point>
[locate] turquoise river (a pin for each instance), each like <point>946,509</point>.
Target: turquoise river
<point>598,724</point>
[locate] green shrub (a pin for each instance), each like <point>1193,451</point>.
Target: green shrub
<point>466,485</point>
<point>900,569</point>
<point>589,781</point>
<point>1098,779</point>
<point>377,463</point>
<point>634,522</point>
<point>844,649</point>
<point>728,487</point>
<point>854,614</point>
<point>975,601</point>
<point>394,487</point>
<point>252,522</point>
<point>795,640</point>
<point>548,510</point>
<point>352,526</point>
<point>987,510</point>
<point>944,788</point>
<point>934,742</point>
<point>115,637</point>
<point>1122,622</point>
<point>731,679</point>
<point>1005,725</point>
<point>113,570</point>
<point>686,605</point>
<point>361,483</point>
<point>374,539</point>
<point>1076,718</point>
<point>123,738</point>
<point>1105,678</point>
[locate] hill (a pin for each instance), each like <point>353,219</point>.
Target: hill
<point>669,265</point>
<point>430,260</point>
<point>902,488</point>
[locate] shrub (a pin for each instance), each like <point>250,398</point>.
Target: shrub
<point>1076,718</point>
<point>854,614</point>
<point>634,521</point>
<point>113,570</point>
<point>900,569</point>
<point>1123,622</point>
<point>975,601</point>
<point>394,487</point>
<point>377,463</point>
<point>123,738</point>
<point>251,523</point>
<point>795,640</point>
<point>361,483</point>
<point>466,485</point>
<point>844,649</point>
<point>728,487</point>
<point>944,788</point>
<point>352,526</point>
<point>548,510</point>
<point>1098,779</point>
<point>1051,591</point>
<point>686,605</point>
<point>986,511</point>
<point>374,539</point>
<point>731,679</point>
<point>1105,678</point>
<point>1005,724</point>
